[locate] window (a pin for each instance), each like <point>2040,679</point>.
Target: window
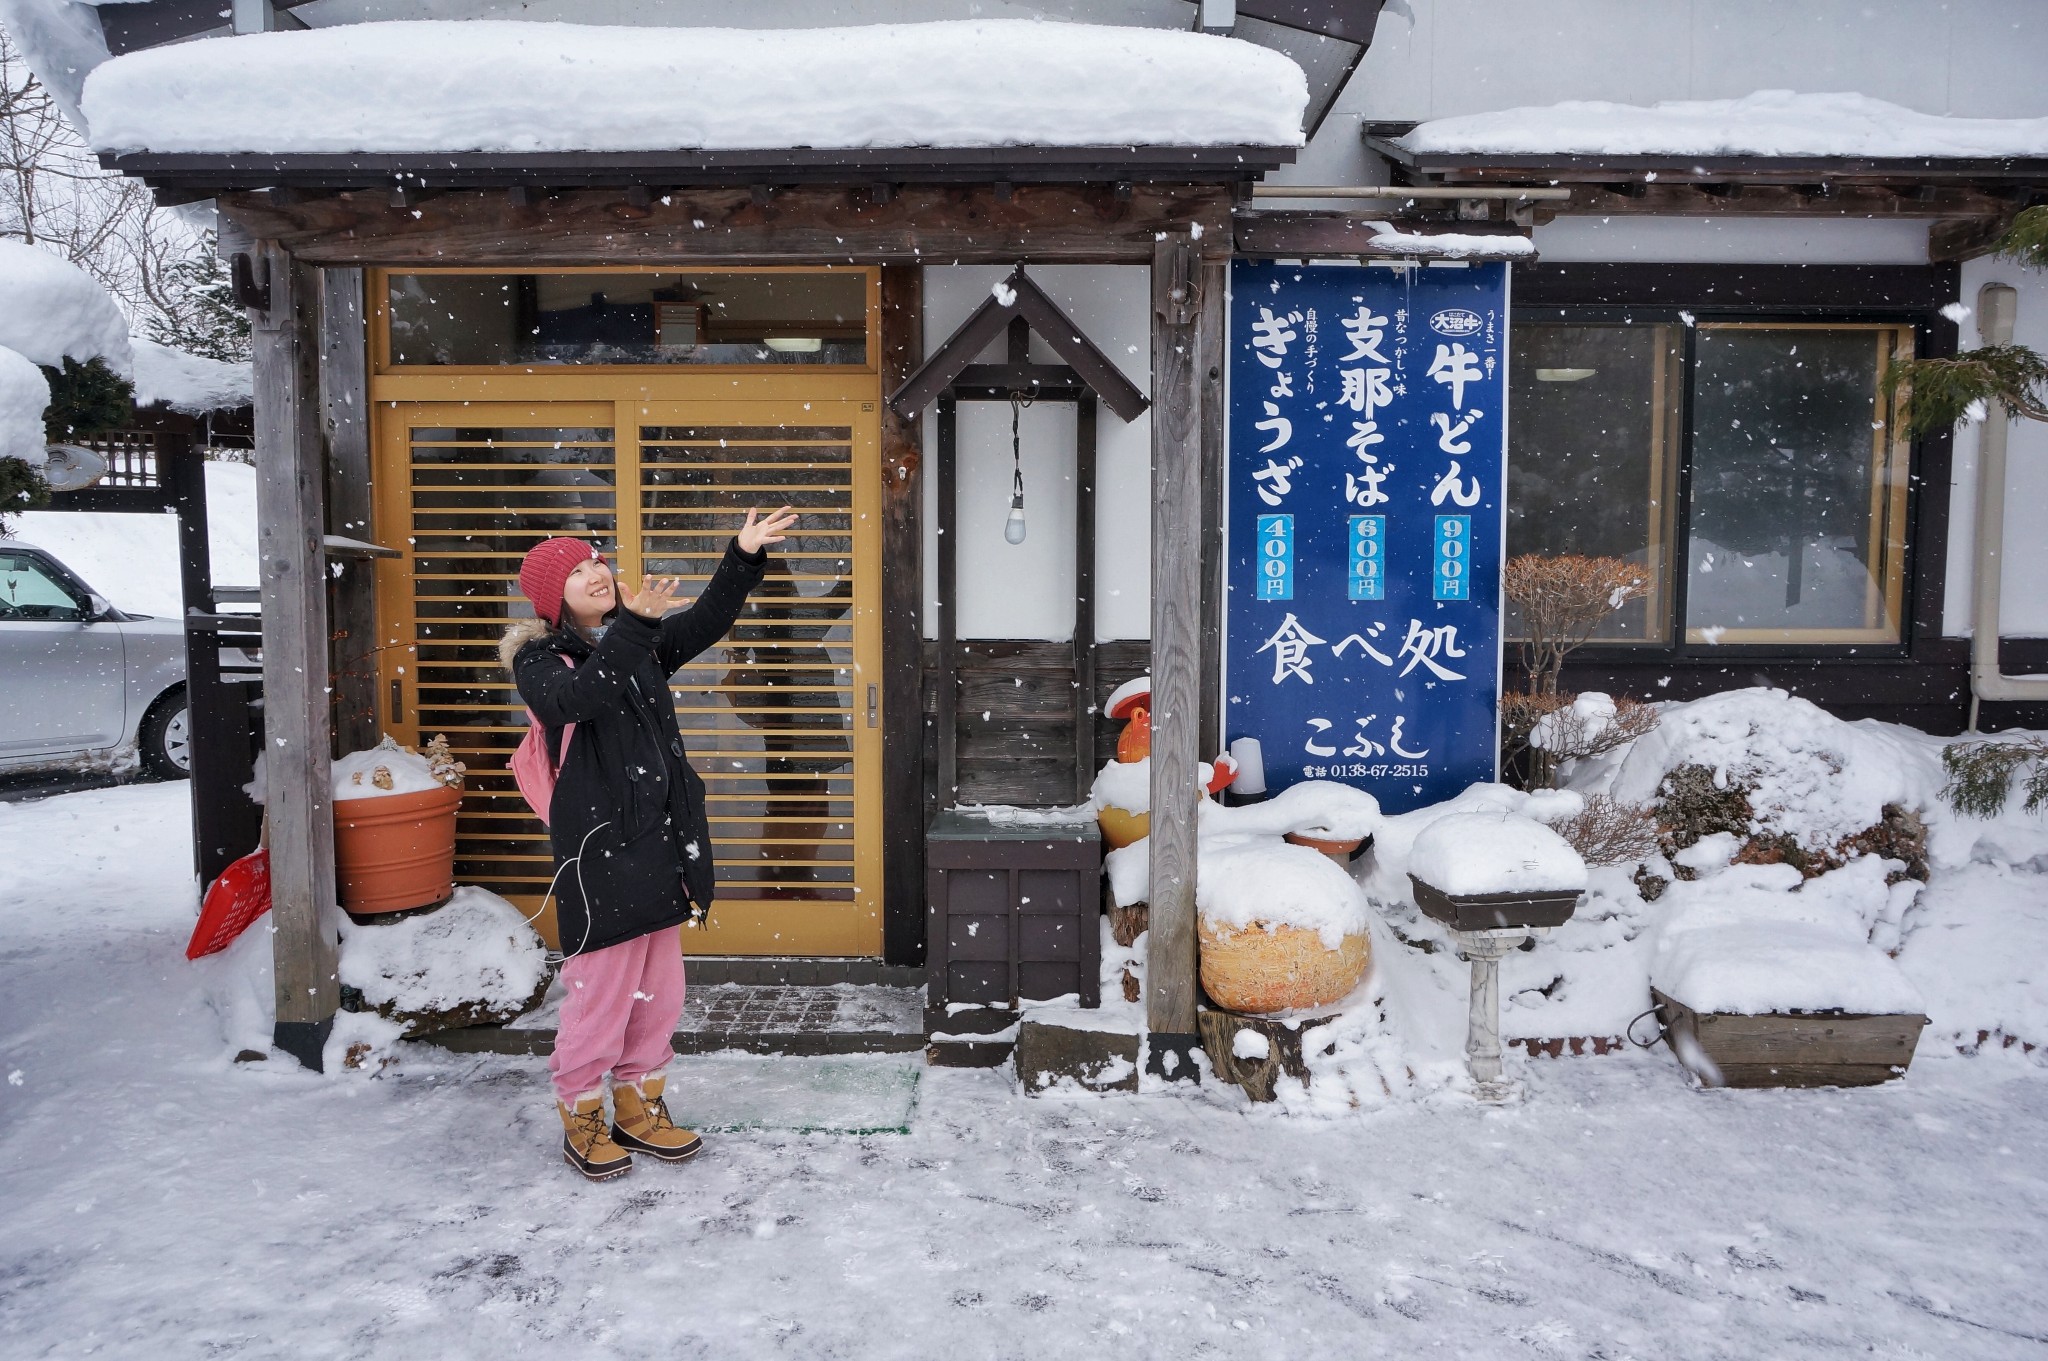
<point>29,592</point>
<point>1764,457</point>
<point>482,320</point>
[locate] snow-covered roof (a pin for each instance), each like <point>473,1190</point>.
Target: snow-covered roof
<point>188,382</point>
<point>50,308</point>
<point>1772,123</point>
<point>494,86</point>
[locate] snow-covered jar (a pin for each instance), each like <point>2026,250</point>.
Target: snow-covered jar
<point>1280,926</point>
<point>394,827</point>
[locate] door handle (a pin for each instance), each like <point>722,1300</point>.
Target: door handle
<point>874,706</point>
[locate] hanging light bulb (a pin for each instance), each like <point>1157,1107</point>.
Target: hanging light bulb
<point>1013,528</point>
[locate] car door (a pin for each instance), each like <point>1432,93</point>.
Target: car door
<point>61,683</point>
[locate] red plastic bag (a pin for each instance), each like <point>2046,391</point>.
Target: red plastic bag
<point>238,897</point>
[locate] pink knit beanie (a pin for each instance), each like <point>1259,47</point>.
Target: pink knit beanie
<point>545,571</point>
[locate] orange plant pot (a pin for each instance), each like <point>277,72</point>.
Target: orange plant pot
<point>395,853</point>
<point>1256,970</point>
<point>1338,849</point>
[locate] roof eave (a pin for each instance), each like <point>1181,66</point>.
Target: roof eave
<point>1487,167</point>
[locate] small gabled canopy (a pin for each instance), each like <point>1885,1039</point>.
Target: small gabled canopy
<point>1019,298</point>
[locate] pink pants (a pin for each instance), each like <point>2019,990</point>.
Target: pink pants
<point>619,1012</point>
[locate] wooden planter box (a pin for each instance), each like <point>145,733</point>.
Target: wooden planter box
<point>1789,1048</point>
<point>1012,913</point>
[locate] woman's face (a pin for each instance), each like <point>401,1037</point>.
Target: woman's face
<point>589,594</point>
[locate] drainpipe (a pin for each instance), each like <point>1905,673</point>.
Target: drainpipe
<point>1997,306</point>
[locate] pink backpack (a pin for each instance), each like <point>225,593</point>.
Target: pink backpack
<point>531,766</point>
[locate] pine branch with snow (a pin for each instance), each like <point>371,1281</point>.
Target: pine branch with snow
<point>1980,774</point>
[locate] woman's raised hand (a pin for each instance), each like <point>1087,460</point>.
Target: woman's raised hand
<point>657,595</point>
<point>754,537</point>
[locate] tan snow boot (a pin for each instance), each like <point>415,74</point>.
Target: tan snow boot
<point>586,1145</point>
<point>643,1124</point>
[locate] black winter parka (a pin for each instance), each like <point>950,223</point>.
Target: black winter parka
<point>632,845</point>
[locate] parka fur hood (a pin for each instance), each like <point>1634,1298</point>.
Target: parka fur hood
<point>521,632</point>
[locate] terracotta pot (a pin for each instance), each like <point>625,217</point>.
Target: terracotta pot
<point>1121,827</point>
<point>1338,849</point>
<point>395,853</point>
<point>1257,970</point>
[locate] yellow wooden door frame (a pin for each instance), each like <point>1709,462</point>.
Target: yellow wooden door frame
<point>623,399</point>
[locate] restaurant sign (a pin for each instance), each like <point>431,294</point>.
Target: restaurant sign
<point>1366,486</point>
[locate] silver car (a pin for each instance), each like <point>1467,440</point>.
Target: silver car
<point>83,685</point>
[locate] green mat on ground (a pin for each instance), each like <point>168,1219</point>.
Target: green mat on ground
<point>833,1094</point>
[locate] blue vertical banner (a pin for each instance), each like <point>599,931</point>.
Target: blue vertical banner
<point>1366,485</point>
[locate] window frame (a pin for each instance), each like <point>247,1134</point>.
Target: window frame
<point>1679,646</point>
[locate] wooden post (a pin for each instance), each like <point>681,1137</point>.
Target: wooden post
<point>1084,596</point>
<point>345,421</point>
<point>1176,653</point>
<point>947,682</point>
<point>289,526</point>
<point>1210,360</point>
<point>903,807</point>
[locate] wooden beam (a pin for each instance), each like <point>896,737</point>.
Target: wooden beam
<point>1084,596</point>
<point>345,421</point>
<point>1177,399</point>
<point>289,527</point>
<point>1959,239</point>
<point>902,622</point>
<point>923,224</point>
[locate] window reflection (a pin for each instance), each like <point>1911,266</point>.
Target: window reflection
<point>494,320</point>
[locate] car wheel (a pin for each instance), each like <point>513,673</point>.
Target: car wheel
<point>167,738</point>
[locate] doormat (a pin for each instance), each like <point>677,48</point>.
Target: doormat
<point>828,1094</point>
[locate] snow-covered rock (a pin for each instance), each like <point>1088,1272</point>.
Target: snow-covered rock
<point>509,86</point>
<point>50,310</point>
<point>473,961</point>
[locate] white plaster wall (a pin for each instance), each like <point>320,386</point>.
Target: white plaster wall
<point>2023,603</point>
<point>1735,240</point>
<point>1436,58</point>
<point>1027,590</point>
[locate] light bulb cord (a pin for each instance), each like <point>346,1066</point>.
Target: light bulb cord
<point>1017,405</point>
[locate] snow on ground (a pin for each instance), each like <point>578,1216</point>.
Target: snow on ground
<point>1767,123</point>
<point>133,559</point>
<point>158,1200</point>
<point>508,86</point>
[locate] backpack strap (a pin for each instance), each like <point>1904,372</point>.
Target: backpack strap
<point>568,729</point>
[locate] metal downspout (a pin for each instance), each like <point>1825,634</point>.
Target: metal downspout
<point>1997,307</point>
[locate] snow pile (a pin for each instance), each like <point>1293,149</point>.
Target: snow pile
<point>1469,853</point>
<point>1767,123</point>
<point>190,383</point>
<point>1320,808</point>
<point>508,86</point>
<point>1809,775</point>
<point>384,770</point>
<point>1247,881</point>
<point>476,957</point>
<point>1581,724</point>
<point>1750,939</point>
<point>1123,784</point>
<point>51,310</point>
<point>24,396</point>
<point>1009,815</point>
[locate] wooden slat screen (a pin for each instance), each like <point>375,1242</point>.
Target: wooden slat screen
<point>769,715</point>
<point>480,496</point>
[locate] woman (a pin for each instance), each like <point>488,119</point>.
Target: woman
<point>632,846</point>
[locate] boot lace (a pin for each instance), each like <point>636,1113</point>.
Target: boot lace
<point>657,1114</point>
<point>590,1125</point>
